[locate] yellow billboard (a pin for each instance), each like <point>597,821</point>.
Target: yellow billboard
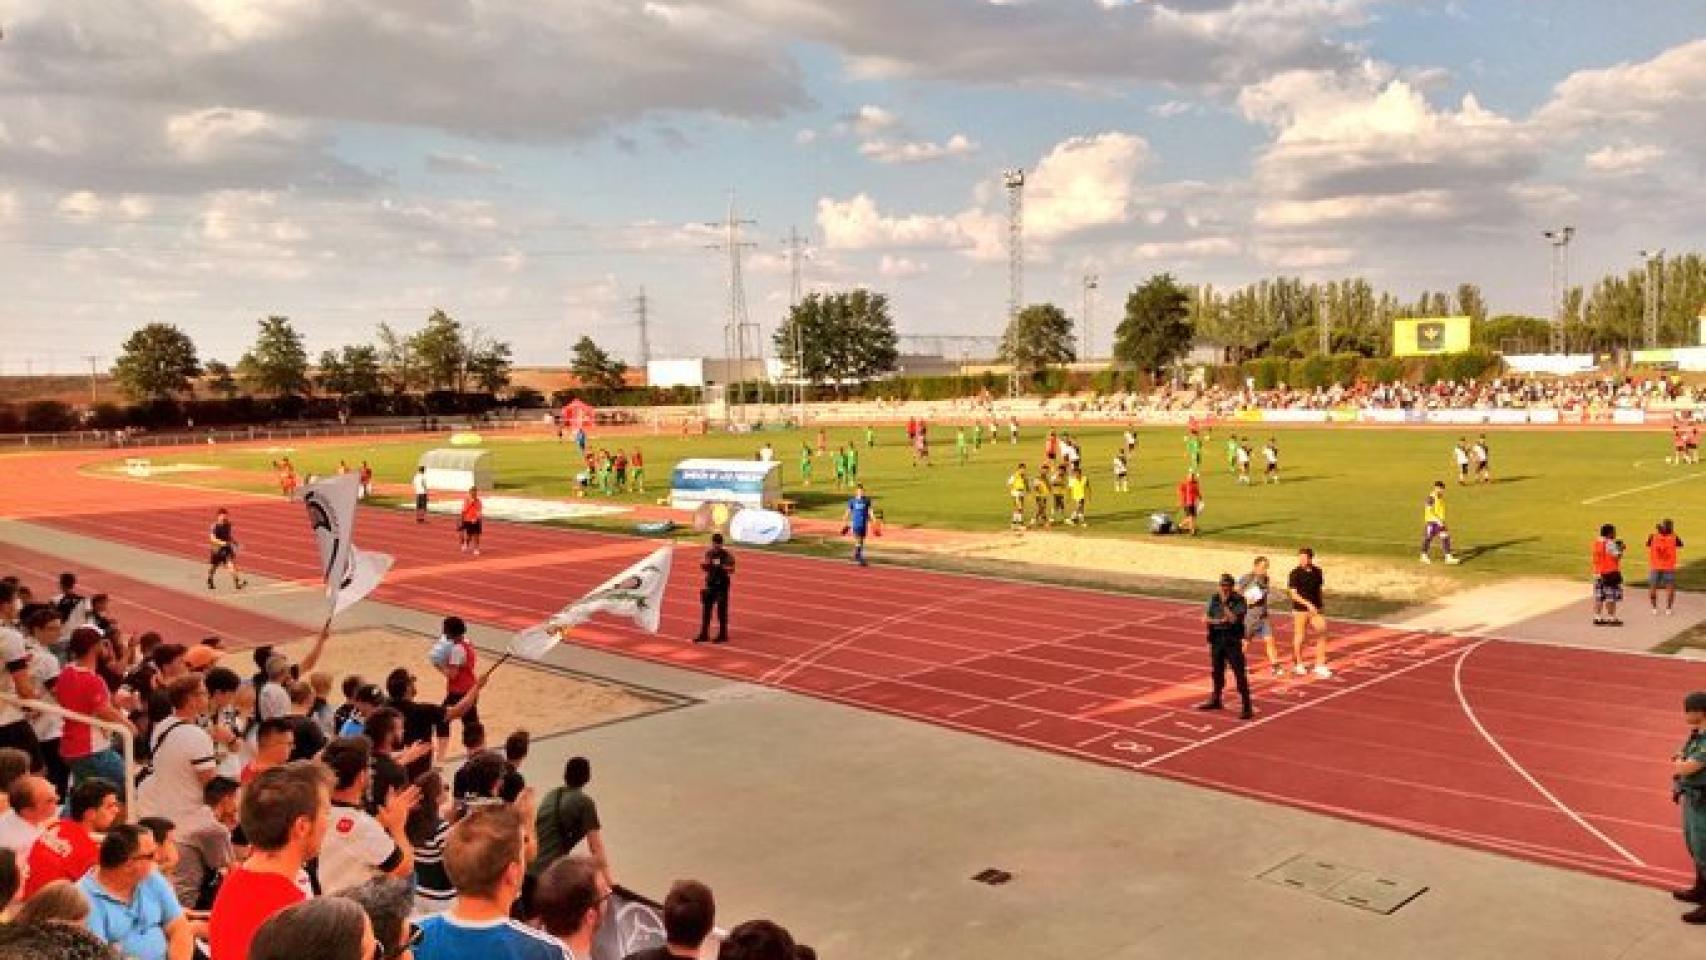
<point>1425,336</point>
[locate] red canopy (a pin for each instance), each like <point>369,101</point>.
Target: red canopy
<point>577,413</point>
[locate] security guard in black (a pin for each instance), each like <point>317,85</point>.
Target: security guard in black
<point>719,567</point>
<point>1225,621</point>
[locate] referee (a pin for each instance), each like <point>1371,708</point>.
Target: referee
<point>719,567</point>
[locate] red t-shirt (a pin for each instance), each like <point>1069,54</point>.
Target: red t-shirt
<point>85,692</point>
<point>1189,493</point>
<point>639,461</point>
<point>64,851</point>
<point>471,511</point>
<point>246,899</point>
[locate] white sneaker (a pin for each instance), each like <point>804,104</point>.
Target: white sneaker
<point>1300,670</point>
<point>1451,561</point>
<point>1655,611</point>
<point>1427,559</point>
<point>476,551</point>
<point>1323,673</point>
<point>1669,611</point>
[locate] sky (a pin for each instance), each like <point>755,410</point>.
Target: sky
<point>531,167</point>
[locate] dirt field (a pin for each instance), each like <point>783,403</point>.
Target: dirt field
<point>1370,577</point>
<point>520,694</point>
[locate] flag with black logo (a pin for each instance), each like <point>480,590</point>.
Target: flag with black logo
<point>350,573</point>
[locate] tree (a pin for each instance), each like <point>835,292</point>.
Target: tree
<point>845,337</point>
<point>1156,329</point>
<point>488,364</point>
<point>595,368</point>
<point>439,352</point>
<point>156,362</point>
<point>278,362</point>
<point>220,380</point>
<point>1038,338</point>
<point>331,375</point>
<point>397,360</point>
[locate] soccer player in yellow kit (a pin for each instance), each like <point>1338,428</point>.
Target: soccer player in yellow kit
<point>1433,521</point>
<point>1017,487</point>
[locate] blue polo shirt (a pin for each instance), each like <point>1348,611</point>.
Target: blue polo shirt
<point>137,928</point>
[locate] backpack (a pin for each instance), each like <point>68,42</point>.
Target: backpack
<point>146,770</point>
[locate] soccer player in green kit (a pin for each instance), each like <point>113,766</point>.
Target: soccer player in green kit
<point>852,464</point>
<point>1193,453</point>
<point>977,435</point>
<point>805,464</point>
<point>960,446</point>
<point>1231,454</point>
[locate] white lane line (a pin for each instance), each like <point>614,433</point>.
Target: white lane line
<point>1641,489</point>
<point>1264,719</point>
<point>1468,711</point>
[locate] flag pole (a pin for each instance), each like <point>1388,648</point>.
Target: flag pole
<point>494,667</point>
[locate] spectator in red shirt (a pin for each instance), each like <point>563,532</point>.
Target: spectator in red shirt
<point>284,814</point>
<point>66,849</point>
<point>88,752</point>
<point>460,669</point>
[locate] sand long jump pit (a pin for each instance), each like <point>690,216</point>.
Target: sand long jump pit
<point>547,701</point>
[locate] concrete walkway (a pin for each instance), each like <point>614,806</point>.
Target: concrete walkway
<point>861,832</point>
<point>1553,611</point>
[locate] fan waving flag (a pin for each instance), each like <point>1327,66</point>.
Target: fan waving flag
<point>350,573</point>
<point>635,593</point>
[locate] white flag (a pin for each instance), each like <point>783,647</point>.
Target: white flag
<point>350,574</point>
<point>635,593</point>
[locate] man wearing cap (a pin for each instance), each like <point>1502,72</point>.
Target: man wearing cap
<point>1689,790</point>
<point>1225,621</point>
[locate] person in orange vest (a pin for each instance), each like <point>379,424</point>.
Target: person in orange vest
<point>473,511</point>
<point>1607,577</point>
<point>1662,547</point>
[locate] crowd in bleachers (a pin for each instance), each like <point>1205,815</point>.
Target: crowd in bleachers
<point>259,820</point>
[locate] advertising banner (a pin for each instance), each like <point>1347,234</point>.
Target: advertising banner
<point>1428,336</point>
<point>750,483</point>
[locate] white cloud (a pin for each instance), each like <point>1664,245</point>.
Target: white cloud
<point>1669,89</point>
<point>871,120</point>
<point>1624,158</point>
<point>805,137</point>
<point>901,267</point>
<point>440,161</point>
<point>1172,108</point>
<point>1197,248</point>
<point>885,151</point>
<point>81,205</point>
<point>1084,182</point>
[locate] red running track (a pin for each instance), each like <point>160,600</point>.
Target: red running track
<point>1555,755</point>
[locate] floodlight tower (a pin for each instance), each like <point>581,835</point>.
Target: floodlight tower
<point>1560,241</point>
<point>1014,180</point>
<point>796,255</point>
<point>1091,282</point>
<point>1655,261</point>
<point>736,330</point>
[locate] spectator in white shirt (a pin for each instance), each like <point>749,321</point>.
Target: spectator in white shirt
<point>360,846</point>
<point>183,760</point>
<point>15,679</point>
<point>204,845</point>
<point>35,804</point>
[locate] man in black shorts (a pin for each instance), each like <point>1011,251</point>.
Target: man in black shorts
<point>1305,587</point>
<point>224,552</point>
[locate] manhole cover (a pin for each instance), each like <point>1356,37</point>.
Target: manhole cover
<point>1342,883</point>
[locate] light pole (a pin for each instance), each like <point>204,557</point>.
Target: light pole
<point>1655,262</point>
<point>1560,241</point>
<point>1091,283</point>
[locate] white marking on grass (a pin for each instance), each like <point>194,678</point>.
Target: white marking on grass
<point>1468,711</point>
<point>1641,489</point>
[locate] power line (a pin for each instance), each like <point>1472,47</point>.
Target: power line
<point>645,337</point>
<point>737,327</point>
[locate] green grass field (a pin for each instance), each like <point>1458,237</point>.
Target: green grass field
<point>1345,490</point>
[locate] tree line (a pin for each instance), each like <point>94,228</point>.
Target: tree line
<point>159,362</point>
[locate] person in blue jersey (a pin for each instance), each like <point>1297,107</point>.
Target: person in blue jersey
<point>483,856</point>
<point>857,521</point>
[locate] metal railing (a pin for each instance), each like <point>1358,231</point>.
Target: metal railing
<point>128,787</point>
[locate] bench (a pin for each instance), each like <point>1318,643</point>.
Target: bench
<point>785,507</point>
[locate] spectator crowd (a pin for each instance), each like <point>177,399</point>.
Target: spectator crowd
<point>258,820</point>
